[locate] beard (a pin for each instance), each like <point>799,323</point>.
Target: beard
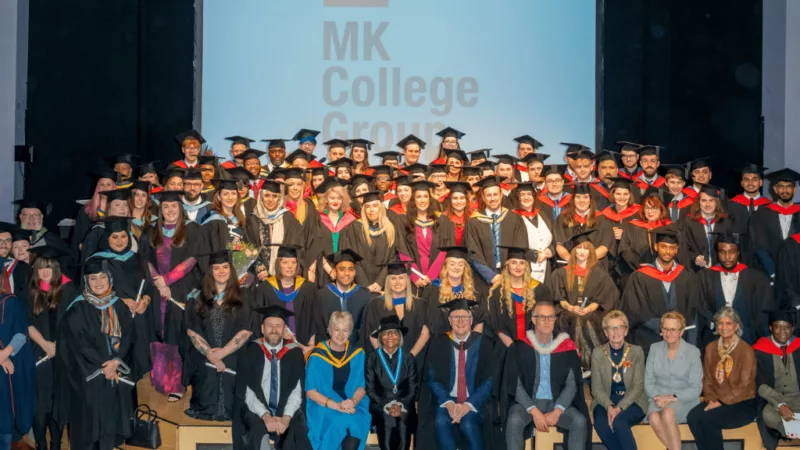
<point>190,198</point>
<point>273,339</point>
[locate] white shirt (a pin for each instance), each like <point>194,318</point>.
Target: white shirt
<point>729,283</point>
<point>454,392</point>
<point>539,238</point>
<point>254,404</point>
<point>666,284</point>
<point>786,223</point>
<point>758,196</point>
<point>192,215</point>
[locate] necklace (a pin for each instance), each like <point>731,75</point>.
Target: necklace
<point>617,376</point>
<point>392,376</point>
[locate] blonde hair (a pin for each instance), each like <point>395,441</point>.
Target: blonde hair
<point>615,314</point>
<point>322,199</point>
<point>673,315</point>
<point>590,263</point>
<point>340,316</point>
<point>387,294</point>
<point>446,290</point>
<point>386,225</point>
<point>529,299</point>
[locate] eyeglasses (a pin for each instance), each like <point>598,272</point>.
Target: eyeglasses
<point>460,318</point>
<point>617,328</point>
<point>545,318</point>
<point>671,330</point>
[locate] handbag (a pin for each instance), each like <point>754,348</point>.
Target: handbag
<point>144,429</point>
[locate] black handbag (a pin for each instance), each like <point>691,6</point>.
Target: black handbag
<point>144,429</point>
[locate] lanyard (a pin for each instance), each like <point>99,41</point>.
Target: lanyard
<point>392,376</point>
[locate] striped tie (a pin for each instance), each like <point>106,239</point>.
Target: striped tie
<point>496,240</point>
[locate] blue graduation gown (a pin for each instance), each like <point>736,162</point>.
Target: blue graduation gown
<point>17,389</point>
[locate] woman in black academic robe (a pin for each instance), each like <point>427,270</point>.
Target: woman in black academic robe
<point>398,301</point>
<point>392,381</point>
<point>171,250</point>
<point>48,295</point>
<point>270,225</point>
<point>539,229</point>
<point>226,224</point>
<point>455,281</point>
<point>289,290</point>
<point>118,206</point>
<point>706,221</point>
<point>636,245</point>
<point>91,210</point>
<point>578,216</point>
<point>583,292</point>
<point>373,238</point>
<point>93,358</point>
<point>219,321</point>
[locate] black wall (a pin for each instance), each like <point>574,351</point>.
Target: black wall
<point>103,78</point>
<point>686,75</point>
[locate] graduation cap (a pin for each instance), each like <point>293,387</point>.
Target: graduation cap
<point>471,171</point>
<point>515,252</point>
<point>226,184</point>
<point>403,180</point>
<point>27,203</point>
<point>327,185</point>
<point>396,268</point>
<point>251,153</point>
<point>360,178</point>
<point>391,322</point>
<point>389,156</point>
<point>580,238</point>
<point>421,185</point>
<point>666,234</point>
<point>344,255</point>
<point>287,250</point>
<point>170,196</point>
<point>456,251</point>
<point>276,143</point>
<point>450,132</point>
<point>608,155</point>
<point>49,251</point>
<point>525,139</point>
<point>306,135</point>
<point>459,304</point>
<point>124,158</point>
<point>788,315</point>
<point>411,139</point>
<point>583,154</point>
<point>382,170</point>
<point>752,168</point>
<point>506,159</point>
<point>711,190</point>
<point>678,170</point>
<point>531,157</point>
<point>458,186</point>
<point>20,234</point>
<point>371,196</point>
<point>105,173</point>
<point>487,165</point>
<point>628,146</point>
<point>174,171</point>
<point>581,189</point>
<point>490,181</point>
<point>343,162</point>
<point>240,173</point>
<point>191,134</point>
<point>334,143</point>
<point>783,175</point>
<point>555,169</point>
<point>274,311</point>
<point>146,168</point>
<point>299,154</point>
<point>366,144</point>
<point>317,171</point>
<point>622,182</point>
<point>205,160</point>
<point>239,140</point>
<point>219,257</point>
<point>437,168</point>
<point>115,224</point>
<point>7,227</point>
<point>479,154</point>
<point>698,163</point>
<point>293,173</point>
<point>278,173</point>
<point>416,169</point>
<point>117,194</point>
<point>193,174</point>
<point>573,148</point>
<point>460,155</point>
<point>726,237</point>
<point>647,150</point>
<point>272,186</point>
<point>95,264</point>
<point>526,187</point>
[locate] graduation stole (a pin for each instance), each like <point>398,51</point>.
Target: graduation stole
<point>140,221</point>
<point>273,281</point>
<point>263,346</point>
<point>551,203</point>
<point>641,183</point>
<point>794,208</point>
<point>323,352</point>
<point>615,216</point>
<point>346,294</point>
<point>579,219</point>
<point>122,257</point>
<point>650,226</point>
<point>623,172</point>
<point>398,208</point>
<point>701,219</point>
<point>559,344</point>
<point>528,214</point>
<point>796,237</point>
<point>739,267</point>
<point>206,190</point>
<point>521,167</point>
<point>690,192</point>
<point>194,208</point>
<point>483,218</point>
<point>745,200</point>
<point>766,345</point>
<point>654,272</point>
<point>599,188</point>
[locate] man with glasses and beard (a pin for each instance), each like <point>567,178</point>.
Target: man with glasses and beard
<point>269,389</point>
<point>194,203</point>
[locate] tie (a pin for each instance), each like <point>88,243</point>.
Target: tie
<point>496,240</point>
<point>461,389</point>
<point>709,225</point>
<point>556,208</point>
<point>674,211</point>
<point>784,358</point>
<point>273,384</point>
<point>752,207</point>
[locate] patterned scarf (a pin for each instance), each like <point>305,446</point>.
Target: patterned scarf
<point>725,364</point>
<point>109,322</point>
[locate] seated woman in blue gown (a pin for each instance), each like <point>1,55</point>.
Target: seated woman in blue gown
<point>337,408</point>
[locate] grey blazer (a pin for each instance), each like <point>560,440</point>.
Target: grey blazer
<point>632,377</point>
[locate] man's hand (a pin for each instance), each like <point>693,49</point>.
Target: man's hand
<point>283,423</point>
<point>49,348</point>
<point>711,405</point>
<point>539,420</point>
<point>452,410</point>
<point>612,413</point>
<point>374,288</point>
<point>552,417</point>
<point>110,369</point>
<point>270,423</point>
<point>220,366</point>
<point>700,261</point>
<point>786,412</point>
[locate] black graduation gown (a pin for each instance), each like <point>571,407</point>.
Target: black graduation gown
<point>292,235</point>
<point>787,283</point>
<point>219,233</point>
<point>547,205</point>
<point>413,319</point>
<point>319,243</point>
<point>380,389</point>
<point>599,289</point>
<point>437,318</point>
<point>248,429</point>
<point>310,316</point>
<point>20,275</point>
<point>603,235</point>
<point>645,300</point>
<point>444,235</point>
<point>521,366</point>
<point>438,375</point>
<point>92,241</point>
<point>696,238</point>
<point>47,323</point>
<point>753,295</point>
<point>738,210</point>
<point>765,374</point>
<point>478,239</point>
<point>97,408</point>
<point>766,237</point>
<point>193,246</point>
<point>82,226</point>
<point>550,226</point>
<point>635,249</point>
<point>503,322</point>
<point>356,304</point>
<point>371,269</point>
<point>206,382</point>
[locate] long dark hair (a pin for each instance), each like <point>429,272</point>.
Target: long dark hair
<point>157,237</point>
<point>567,217</point>
<point>231,299</point>
<point>411,214</point>
<point>41,299</point>
<point>237,209</point>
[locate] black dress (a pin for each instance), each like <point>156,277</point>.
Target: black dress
<point>393,432</point>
